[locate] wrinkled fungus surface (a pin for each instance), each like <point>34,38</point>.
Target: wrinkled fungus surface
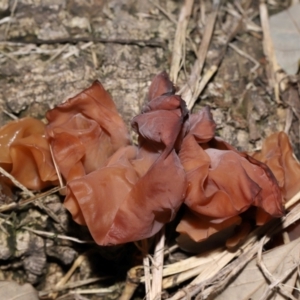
<point>84,131</point>
<point>277,154</point>
<point>132,196</point>
<point>25,153</point>
<point>126,192</point>
<point>222,182</point>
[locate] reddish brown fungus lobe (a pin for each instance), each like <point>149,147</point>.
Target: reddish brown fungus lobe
<point>83,132</point>
<point>24,152</point>
<point>128,195</point>
<point>223,182</point>
<point>277,154</point>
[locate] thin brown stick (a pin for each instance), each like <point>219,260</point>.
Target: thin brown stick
<point>132,281</point>
<point>146,263</point>
<point>180,37</point>
<point>60,180</point>
<point>272,67</point>
<point>189,91</point>
<point>68,275</point>
<point>195,90</point>
<point>274,281</point>
<point>157,265</point>
<point>246,55</point>
<point>72,40</point>
<point>168,15</point>
<point>207,284</point>
<point>57,236</point>
<point>24,202</point>
<point>72,285</point>
<point>16,182</point>
<point>57,54</point>
<point>13,9</point>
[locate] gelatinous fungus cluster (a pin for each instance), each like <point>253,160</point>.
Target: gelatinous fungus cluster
<point>125,192</point>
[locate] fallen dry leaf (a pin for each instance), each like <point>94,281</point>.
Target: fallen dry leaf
<point>10,290</point>
<point>251,282</point>
<point>285,33</point>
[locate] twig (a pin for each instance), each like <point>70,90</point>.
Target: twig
<point>202,11</point>
<point>246,55</point>
<point>58,53</point>
<point>100,291</point>
<point>16,182</point>
<point>9,56</point>
<point>288,120</point>
<point>273,67</point>
<point>72,285</point>
<point>179,41</point>
<point>274,282</point>
<point>198,86</point>
<point>76,51</point>
<point>132,281</point>
<point>13,205</point>
<point>66,278</point>
<point>11,17</point>
<point>5,20</point>
<point>73,40</point>
<point>244,254</point>
<point>292,201</point>
<point>189,91</point>
<point>9,114</point>
<point>170,17</point>
<point>157,265</point>
<point>146,263</point>
<point>57,236</point>
<point>56,167</point>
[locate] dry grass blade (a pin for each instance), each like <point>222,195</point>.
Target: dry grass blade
<point>209,282</point>
<point>273,67</point>
<point>196,84</point>
<point>60,180</point>
<point>180,36</point>
<point>13,9</point>
<point>146,263</point>
<point>68,275</point>
<point>244,54</point>
<point>7,207</point>
<point>72,285</point>
<point>157,265</point>
<point>210,263</point>
<point>38,196</point>
<point>16,182</point>
<point>275,282</point>
<point>101,291</point>
<point>132,281</point>
<point>292,201</point>
<point>169,16</point>
<point>189,91</point>
<point>57,236</point>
